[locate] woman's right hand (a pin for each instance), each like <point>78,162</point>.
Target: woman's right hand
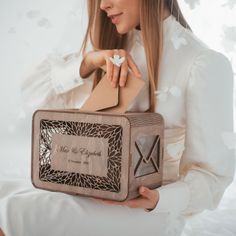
<point>115,74</point>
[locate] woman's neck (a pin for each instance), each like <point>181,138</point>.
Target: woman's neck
<point>165,15</point>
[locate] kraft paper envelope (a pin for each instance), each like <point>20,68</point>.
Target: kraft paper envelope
<point>117,100</point>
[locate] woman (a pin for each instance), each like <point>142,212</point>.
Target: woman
<point>188,83</point>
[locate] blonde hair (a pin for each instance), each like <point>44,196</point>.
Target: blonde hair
<point>103,35</point>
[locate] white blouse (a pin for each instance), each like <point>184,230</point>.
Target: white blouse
<point>195,97</point>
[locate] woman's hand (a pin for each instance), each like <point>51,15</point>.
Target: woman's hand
<point>148,199</point>
<point>115,74</point>
<point>1,233</point>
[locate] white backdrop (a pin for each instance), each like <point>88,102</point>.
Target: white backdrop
<point>31,29</point>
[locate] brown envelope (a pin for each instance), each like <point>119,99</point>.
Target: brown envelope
<point>117,100</point>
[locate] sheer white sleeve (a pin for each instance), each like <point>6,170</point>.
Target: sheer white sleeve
<point>48,83</point>
<point>207,165</point>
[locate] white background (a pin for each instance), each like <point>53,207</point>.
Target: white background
<point>31,29</point>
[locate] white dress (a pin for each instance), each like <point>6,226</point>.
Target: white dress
<point>195,97</point>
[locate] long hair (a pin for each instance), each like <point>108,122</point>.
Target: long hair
<point>103,35</point>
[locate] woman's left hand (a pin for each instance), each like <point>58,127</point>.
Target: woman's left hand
<point>148,199</point>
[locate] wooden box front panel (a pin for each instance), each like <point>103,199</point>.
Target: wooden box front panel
<point>81,153</point>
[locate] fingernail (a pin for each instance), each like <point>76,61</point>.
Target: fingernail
<point>122,83</point>
<point>142,189</point>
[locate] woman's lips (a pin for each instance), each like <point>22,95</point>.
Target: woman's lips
<point>116,18</point>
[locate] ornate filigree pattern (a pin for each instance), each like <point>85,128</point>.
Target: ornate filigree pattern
<point>112,132</point>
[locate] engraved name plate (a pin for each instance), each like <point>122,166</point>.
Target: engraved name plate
<point>87,155</point>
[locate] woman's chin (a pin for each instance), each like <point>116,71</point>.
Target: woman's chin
<point>121,30</point>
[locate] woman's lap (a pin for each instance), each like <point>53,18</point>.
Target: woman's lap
<point>36,212</point>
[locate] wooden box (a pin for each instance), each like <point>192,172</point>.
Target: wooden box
<point>98,154</point>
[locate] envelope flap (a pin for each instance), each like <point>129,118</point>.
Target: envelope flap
<point>127,94</point>
<point>116,100</point>
<point>103,96</point>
